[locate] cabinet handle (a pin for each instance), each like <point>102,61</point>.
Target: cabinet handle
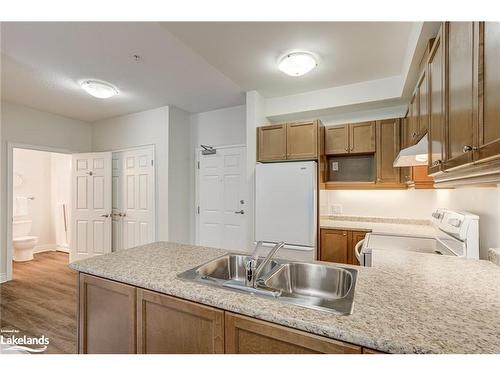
<point>436,163</point>
<point>344,234</point>
<point>347,148</point>
<point>414,135</point>
<point>468,148</point>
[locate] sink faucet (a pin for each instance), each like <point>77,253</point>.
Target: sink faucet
<point>253,272</point>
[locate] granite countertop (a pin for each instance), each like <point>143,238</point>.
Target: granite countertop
<point>414,303</point>
<point>394,226</point>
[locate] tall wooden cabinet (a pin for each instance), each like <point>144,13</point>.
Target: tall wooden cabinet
<point>388,146</point>
<point>461,86</point>
<point>437,104</point>
<point>489,91</point>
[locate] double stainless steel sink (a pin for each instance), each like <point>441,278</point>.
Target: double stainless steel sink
<point>313,285</point>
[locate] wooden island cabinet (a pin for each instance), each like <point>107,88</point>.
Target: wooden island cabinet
<point>121,318</point>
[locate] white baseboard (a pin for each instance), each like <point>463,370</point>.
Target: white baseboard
<point>64,249</point>
<point>43,248</point>
<point>3,277</point>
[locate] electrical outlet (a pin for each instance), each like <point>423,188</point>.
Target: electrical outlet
<point>336,209</point>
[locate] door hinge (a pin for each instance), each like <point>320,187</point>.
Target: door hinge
<point>198,164</point>
<point>152,163</point>
<point>198,210</point>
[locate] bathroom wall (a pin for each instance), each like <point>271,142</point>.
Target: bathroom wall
<point>60,178</point>
<point>32,178</point>
<point>419,204</point>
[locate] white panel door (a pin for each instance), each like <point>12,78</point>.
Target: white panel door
<point>137,197</point>
<point>222,198</point>
<point>91,205</point>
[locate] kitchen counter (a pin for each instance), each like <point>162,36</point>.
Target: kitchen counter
<point>432,304</point>
<point>391,226</point>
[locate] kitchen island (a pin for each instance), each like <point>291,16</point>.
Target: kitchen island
<point>414,303</point>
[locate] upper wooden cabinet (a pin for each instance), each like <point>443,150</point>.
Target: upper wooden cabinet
<point>302,141</point>
<point>489,91</point>
<point>437,101</point>
<point>461,82</point>
<point>356,138</point>
<point>423,110</point>
<point>271,143</point>
<point>294,141</point>
<point>337,140</point>
<point>388,146</point>
<point>413,118</point>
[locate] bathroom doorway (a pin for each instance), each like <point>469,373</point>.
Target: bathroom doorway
<point>41,197</point>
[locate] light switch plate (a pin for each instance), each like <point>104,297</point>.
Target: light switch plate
<point>335,166</point>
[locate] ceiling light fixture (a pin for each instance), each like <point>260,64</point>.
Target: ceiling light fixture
<point>297,63</point>
<point>99,89</point>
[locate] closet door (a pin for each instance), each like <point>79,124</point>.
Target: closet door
<point>138,197</point>
<point>117,201</point>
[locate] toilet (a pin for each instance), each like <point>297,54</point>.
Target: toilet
<point>22,242</point>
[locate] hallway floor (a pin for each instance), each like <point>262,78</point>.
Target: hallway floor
<point>41,300</point>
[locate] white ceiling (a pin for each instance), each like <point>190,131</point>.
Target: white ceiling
<point>43,62</point>
<point>348,52</point>
<point>194,66</point>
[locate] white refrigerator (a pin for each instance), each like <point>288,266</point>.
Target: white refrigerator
<point>286,207</point>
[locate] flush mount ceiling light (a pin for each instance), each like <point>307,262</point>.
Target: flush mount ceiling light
<point>297,63</point>
<point>99,89</point>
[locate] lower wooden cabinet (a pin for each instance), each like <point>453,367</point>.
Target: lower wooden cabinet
<point>246,335</point>
<point>338,245</point>
<point>106,316</point>
<point>169,325</point>
<point>116,318</point>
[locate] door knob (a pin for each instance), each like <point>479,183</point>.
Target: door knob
<point>105,215</point>
<point>239,212</point>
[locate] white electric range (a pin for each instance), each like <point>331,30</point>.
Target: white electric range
<point>456,234</point>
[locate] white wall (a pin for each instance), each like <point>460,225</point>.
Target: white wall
<point>222,127</point>
<point>23,125</point>
<point>60,176</point>
<point>32,178</point>
<point>255,117</point>
<point>139,129</point>
<point>419,204</point>
<point>180,163</point>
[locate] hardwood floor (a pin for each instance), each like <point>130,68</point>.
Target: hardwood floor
<point>41,300</point>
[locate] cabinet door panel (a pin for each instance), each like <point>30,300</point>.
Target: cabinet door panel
<point>489,137</point>
<point>169,325</point>
<point>106,316</point>
<point>337,140</point>
<point>388,140</point>
<point>356,236</point>
<point>302,141</point>
<point>423,113</point>
<point>437,110</point>
<point>362,137</point>
<point>246,335</point>
<point>460,41</point>
<point>271,143</point>
<point>413,118</point>
<point>334,245</point>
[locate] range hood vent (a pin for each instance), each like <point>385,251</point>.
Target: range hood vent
<point>413,155</point>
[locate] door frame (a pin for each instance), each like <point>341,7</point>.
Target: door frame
<point>197,186</point>
<point>155,181</point>
<point>9,215</point>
